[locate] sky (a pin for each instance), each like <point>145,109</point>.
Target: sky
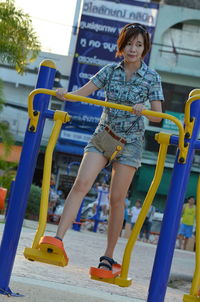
<point>52,21</point>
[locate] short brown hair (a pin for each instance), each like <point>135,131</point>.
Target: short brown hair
<point>132,30</point>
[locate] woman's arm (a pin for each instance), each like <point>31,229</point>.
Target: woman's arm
<point>155,106</point>
<point>85,90</point>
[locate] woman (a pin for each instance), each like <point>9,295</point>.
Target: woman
<point>187,222</point>
<point>132,83</point>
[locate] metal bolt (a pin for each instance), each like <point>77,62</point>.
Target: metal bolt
<point>181,160</point>
<point>187,135</point>
<point>32,128</point>
<point>35,113</point>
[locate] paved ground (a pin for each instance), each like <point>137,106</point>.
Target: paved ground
<point>42,282</point>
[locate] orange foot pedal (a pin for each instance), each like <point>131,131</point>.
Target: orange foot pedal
<point>50,250</point>
<point>105,275</point>
<point>53,246</point>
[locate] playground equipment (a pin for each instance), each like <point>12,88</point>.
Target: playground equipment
<point>39,247</point>
<point>43,249</point>
<point>96,218</point>
<point>48,249</point>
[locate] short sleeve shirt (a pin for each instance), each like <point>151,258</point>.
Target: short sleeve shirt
<point>189,214</point>
<point>144,85</point>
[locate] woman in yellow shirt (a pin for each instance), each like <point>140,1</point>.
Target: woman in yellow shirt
<point>187,222</point>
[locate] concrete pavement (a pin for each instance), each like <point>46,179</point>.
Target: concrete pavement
<point>42,282</point>
<point>39,291</point>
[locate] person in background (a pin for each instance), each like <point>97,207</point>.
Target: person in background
<point>135,211</point>
<point>53,198</point>
<point>187,222</point>
<point>146,228</point>
<point>127,204</point>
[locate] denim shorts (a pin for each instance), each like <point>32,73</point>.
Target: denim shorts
<point>186,230</point>
<point>130,156</point>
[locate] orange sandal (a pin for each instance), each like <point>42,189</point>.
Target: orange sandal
<point>113,269</point>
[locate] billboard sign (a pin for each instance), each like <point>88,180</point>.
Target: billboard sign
<point>169,125</point>
<point>100,24</point>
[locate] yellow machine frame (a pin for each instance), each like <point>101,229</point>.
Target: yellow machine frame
<point>162,138</point>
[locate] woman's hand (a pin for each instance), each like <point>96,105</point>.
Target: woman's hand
<point>85,90</point>
<point>138,108</point>
<point>60,92</point>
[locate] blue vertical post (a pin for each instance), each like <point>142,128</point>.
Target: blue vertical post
<point>77,225</point>
<point>172,215</point>
<point>19,196</point>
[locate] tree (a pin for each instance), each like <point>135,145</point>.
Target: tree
<point>19,44</point>
<point>33,205</point>
<point>7,173</point>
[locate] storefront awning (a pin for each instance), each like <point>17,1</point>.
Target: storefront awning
<point>69,148</point>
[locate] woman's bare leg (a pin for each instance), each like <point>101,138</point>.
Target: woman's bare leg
<point>185,243</point>
<point>122,176</point>
<point>181,238</point>
<point>92,163</point>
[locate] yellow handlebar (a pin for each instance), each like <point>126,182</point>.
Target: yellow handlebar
<point>110,105</point>
<point>188,104</point>
<point>189,123</point>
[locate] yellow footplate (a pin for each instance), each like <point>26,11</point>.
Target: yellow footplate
<point>50,250</point>
<point>190,298</point>
<point>112,277</point>
<point>116,281</point>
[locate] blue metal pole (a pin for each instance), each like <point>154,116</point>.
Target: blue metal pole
<point>77,225</point>
<point>19,196</point>
<point>172,215</point>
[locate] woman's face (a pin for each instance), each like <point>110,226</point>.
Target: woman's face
<point>138,204</point>
<point>191,201</point>
<point>134,49</point>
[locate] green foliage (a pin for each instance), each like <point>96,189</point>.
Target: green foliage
<point>7,173</point>
<point>33,206</point>
<point>19,44</point>
<point>6,136</point>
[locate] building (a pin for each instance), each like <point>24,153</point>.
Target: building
<point>175,55</point>
<point>16,90</point>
